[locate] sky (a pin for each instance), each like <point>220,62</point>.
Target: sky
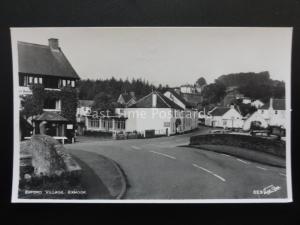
<point>172,56</point>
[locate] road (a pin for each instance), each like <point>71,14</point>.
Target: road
<point>160,169</point>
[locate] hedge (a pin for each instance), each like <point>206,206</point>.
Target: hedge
<point>275,147</point>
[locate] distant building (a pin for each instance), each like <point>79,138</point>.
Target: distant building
<point>47,65</point>
<point>246,100</point>
<point>84,108</point>
<point>127,99</point>
<point>187,88</point>
<point>270,114</point>
<point>225,117</point>
<point>257,103</point>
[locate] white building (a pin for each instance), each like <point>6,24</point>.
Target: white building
<point>257,103</point>
<point>187,88</point>
<point>270,114</point>
<point>84,108</point>
<point>225,117</point>
<point>189,121</point>
<point>154,112</point>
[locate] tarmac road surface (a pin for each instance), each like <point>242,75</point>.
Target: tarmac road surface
<point>159,168</point>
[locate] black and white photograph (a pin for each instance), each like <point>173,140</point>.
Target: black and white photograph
<point>152,114</point>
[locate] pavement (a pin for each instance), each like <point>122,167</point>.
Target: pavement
<point>159,168</point>
<point>101,176</point>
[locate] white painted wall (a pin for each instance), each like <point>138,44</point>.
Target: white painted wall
<point>141,119</point>
<point>231,119</point>
<point>266,117</point>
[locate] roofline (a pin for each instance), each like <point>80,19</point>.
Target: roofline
<point>57,76</point>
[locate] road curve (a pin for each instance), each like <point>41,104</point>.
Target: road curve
<point>160,169</point>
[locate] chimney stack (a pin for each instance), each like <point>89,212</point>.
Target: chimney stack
<point>132,94</point>
<point>53,43</point>
<point>271,103</point>
<point>154,100</point>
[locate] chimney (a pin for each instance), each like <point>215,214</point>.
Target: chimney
<point>132,94</point>
<point>271,103</point>
<point>154,100</point>
<point>53,43</point>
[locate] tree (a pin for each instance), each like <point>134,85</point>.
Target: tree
<point>213,93</point>
<point>201,82</point>
<point>103,101</point>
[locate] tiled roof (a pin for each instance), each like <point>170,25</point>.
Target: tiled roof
<point>41,60</point>
<point>127,97</point>
<point>51,116</point>
<point>161,102</point>
<point>180,98</point>
<point>85,103</point>
<point>219,111</point>
<point>278,104</point>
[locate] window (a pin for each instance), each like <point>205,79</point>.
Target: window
<point>224,123</point>
<point>35,80</point>
<point>63,83</point>
<point>120,125</point>
<point>50,103</point>
<point>94,123</point>
<point>51,82</point>
<point>276,112</point>
<point>73,83</point>
<point>40,80</point>
<point>30,80</point>
<point>109,124</point>
<point>262,111</point>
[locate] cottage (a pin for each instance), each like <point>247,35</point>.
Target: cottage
<point>270,114</point>
<point>225,117</point>
<point>154,112</point>
<point>48,66</point>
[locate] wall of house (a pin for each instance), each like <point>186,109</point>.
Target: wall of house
<point>267,117</point>
<point>141,119</point>
<point>256,116</point>
<point>231,119</point>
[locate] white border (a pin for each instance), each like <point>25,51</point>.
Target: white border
<point>15,183</point>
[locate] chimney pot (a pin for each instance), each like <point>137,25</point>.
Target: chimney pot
<point>53,43</point>
<point>154,100</point>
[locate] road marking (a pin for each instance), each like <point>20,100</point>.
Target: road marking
<point>135,147</point>
<point>210,172</point>
<point>282,174</point>
<point>262,168</point>
<point>159,153</point>
<point>242,161</point>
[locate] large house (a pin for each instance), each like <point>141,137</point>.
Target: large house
<point>47,65</point>
<point>270,114</point>
<point>225,117</point>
